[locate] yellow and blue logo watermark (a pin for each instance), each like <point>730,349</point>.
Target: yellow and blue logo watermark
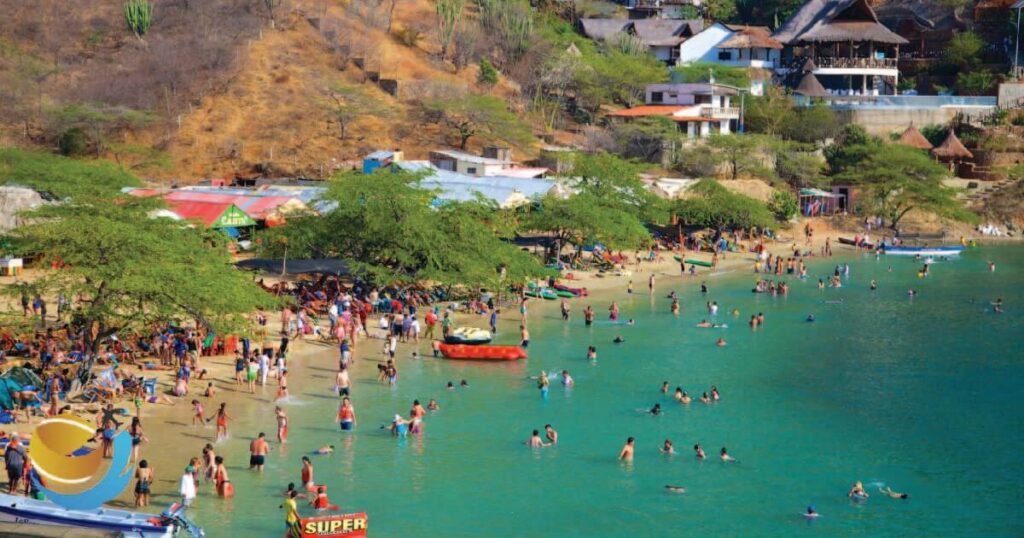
<point>58,456</point>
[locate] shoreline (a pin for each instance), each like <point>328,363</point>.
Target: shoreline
<point>172,440</point>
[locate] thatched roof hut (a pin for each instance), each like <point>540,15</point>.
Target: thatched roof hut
<point>913,138</point>
<point>750,37</point>
<point>810,86</point>
<point>951,149</point>
<point>15,200</point>
<point>832,21</point>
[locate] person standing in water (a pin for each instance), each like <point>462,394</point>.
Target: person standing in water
<point>588,316</point>
<point>524,335</point>
<point>282,425</point>
<point>222,422</point>
<point>650,284</point>
<point>698,451</point>
<point>258,449</point>
<point>306,475</point>
<point>551,434</point>
<point>346,415</point>
<point>626,454</point>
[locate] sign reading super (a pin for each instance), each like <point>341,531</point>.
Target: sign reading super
<point>347,525</point>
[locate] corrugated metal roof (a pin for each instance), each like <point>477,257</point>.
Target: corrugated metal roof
<point>460,187</point>
<point>205,212</point>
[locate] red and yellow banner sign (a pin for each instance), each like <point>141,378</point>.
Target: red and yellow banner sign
<point>347,525</point>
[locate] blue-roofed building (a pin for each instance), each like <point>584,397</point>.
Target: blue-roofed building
<point>504,191</point>
<point>380,159</point>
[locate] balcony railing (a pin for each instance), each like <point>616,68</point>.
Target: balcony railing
<point>855,63</point>
<point>720,112</point>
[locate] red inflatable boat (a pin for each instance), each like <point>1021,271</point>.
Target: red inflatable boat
<point>482,353</point>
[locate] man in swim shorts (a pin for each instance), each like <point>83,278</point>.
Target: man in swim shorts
<point>258,449</point>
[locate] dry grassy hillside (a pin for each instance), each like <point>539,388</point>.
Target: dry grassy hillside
<point>228,89</point>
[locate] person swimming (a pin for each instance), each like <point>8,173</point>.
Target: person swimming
<point>656,410</point>
<point>714,393</point>
<point>324,450</point>
<point>810,318</point>
<point>705,324</point>
<point>857,491</point>
<point>724,454</point>
<point>810,513</point>
<point>618,340</point>
<point>894,494</point>
<point>666,447</point>
<point>675,489</point>
<point>698,451</point>
<point>631,322</point>
<point>705,399</point>
<point>721,342</point>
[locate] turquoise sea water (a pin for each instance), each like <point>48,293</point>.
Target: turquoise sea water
<point>924,395</point>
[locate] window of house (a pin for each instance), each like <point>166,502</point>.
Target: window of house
<point>725,55</point>
<point>657,97</point>
<point>471,170</point>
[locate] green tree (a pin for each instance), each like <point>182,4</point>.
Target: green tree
<point>719,10</point>
<point>784,205</point>
<point>766,12</point>
<point>975,82</point>
<point>810,124</point>
<point>101,122</point>
<point>645,138</point>
<point>898,179</point>
<point>131,270</point>
<point>392,229</point>
<point>964,50</point>
<point>851,146</point>
<point>768,113</point>
<point>616,77</point>
<point>800,169</point>
<point>350,103</point>
<point>741,154</point>
<point>488,75</point>
<point>474,115</point>
<point>709,204</point>
<point>62,177</point>
<point>610,205</point>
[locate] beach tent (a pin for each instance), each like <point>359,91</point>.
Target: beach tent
<point>23,376</point>
<point>814,202</point>
<point>6,386</point>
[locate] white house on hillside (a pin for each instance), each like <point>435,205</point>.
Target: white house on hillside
<point>732,45</point>
<point>698,109</point>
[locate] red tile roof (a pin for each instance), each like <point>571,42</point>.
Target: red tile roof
<point>649,110</point>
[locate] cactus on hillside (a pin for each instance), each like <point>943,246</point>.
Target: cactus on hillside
<point>138,14</point>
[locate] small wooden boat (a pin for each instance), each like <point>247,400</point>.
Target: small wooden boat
<point>851,242</point>
<point>468,336</point>
<point>23,510</point>
<point>482,353</point>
